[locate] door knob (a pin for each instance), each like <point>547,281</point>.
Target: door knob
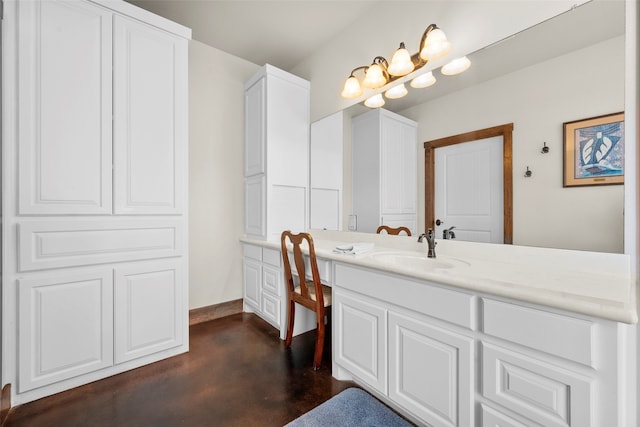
<point>438,222</point>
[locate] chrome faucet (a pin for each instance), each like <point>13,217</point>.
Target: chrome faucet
<point>448,233</point>
<point>431,241</point>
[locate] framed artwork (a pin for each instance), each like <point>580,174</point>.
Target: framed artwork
<point>594,151</point>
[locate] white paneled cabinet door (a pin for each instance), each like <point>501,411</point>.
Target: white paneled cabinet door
<point>150,120</point>
<point>431,371</point>
<point>64,117</point>
<point>66,326</point>
<point>360,345</point>
<point>148,306</point>
<point>254,128</point>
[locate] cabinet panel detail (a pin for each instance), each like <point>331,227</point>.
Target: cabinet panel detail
<point>254,128</point>
<point>149,125</point>
<point>452,306</point>
<point>252,276</point>
<point>421,354</point>
<point>271,309</point>
<point>142,327</point>
<point>47,244</point>
<point>255,221</point>
<point>361,342</point>
<point>271,256</point>
<point>252,251</point>
<point>547,394</point>
<point>572,339</point>
<point>64,153</point>
<point>271,280</point>
<point>66,326</point>
<point>493,418</point>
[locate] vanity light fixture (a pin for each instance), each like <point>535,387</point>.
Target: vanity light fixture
<point>457,66</point>
<point>433,45</point>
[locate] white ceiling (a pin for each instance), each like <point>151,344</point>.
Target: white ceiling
<point>282,33</point>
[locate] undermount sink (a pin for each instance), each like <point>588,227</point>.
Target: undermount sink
<point>417,261</point>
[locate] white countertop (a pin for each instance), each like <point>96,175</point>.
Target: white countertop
<point>596,284</point>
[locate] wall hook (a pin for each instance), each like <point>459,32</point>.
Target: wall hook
<point>528,173</point>
<point>545,149</point>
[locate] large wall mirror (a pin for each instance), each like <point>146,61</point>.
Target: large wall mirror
<point>568,68</point>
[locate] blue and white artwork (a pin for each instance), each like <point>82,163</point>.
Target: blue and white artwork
<point>599,150</point>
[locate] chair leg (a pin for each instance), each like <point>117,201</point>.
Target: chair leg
<point>317,358</point>
<point>292,315</point>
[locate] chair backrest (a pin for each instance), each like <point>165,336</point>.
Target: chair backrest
<point>297,241</point>
<point>394,231</point>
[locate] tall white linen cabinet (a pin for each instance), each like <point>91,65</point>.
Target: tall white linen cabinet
<point>384,170</point>
<point>94,192</point>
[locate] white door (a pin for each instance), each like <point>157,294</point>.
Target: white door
<point>469,190</point>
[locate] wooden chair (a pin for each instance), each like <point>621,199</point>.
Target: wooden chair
<point>313,295</point>
<point>394,231</point>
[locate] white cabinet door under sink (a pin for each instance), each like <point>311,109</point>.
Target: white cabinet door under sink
<point>360,343</point>
<point>431,371</point>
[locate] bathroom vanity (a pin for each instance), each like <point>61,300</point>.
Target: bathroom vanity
<point>481,335</point>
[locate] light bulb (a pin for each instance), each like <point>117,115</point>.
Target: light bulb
<point>423,80</point>
<point>375,77</point>
<point>376,101</point>
<point>351,88</point>
<point>436,45</point>
<point>456,66</point>
<point>401,63</point>
<point>396,92</point>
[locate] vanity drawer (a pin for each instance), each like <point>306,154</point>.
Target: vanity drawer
<point>271,280</point>
<point>435,301</point>
<point>253,252</point>
<point>552,333</point>
<point>545,393</point>
<point>271,309</point>
<point>271,256</point>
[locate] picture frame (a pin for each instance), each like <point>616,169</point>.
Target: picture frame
<point>594,151</point>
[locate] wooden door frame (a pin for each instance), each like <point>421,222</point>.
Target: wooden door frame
<point>506,132</point>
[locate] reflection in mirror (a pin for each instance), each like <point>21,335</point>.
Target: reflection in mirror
<point>568,68</point>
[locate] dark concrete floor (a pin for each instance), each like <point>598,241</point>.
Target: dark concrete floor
<point>237,373</point>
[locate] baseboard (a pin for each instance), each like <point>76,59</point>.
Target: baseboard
<point>216,311</point>
<point>5,403</point>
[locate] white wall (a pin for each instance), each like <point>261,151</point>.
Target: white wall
<point>537,100</point>
<point>216,114</point>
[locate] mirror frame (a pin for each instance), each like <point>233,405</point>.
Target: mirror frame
<point>506,132</point>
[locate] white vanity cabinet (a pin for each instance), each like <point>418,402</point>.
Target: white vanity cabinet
<point>384,146</point>
<point>263,284</point>
<point>448,357</point>
<point>276,153</point>
<point>94,196</point>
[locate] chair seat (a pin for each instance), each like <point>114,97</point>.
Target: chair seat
<point>326,294</point>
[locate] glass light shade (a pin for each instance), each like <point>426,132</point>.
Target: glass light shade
<point>423,80</point>
<point>375,77</point>
<point>376,101</point>
<point>456,66</point>
<point>401,63</point>
<point>351,88</point>
<point>435,46</point>
<point>396,92</point>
